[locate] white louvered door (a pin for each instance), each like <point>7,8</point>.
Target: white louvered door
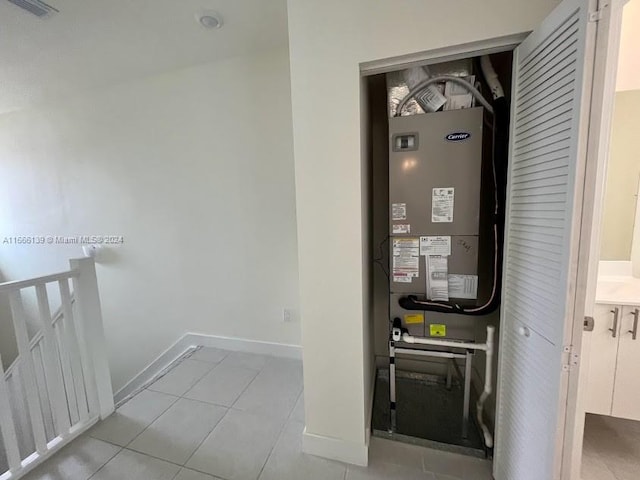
<point>552,82</point>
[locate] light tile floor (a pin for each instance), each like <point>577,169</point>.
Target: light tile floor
<point>611,449</point>
<point>231,416</point>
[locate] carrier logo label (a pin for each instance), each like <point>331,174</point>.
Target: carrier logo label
<point>457,136</point>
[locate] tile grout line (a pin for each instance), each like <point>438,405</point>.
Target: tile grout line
<point>257,372</point>
<point>155,419</point>
<point>145,428</point>
<point>105,463</point>
<point>159,458</point>
<point>280,434</point>
<point>177,398</point>
<point>190,386</point>
<point>248,385</point>
<point>145,386</point>
<point>180,467</point>
<point>167,409</point>
<point>223,417</point>
<point>203,440</point>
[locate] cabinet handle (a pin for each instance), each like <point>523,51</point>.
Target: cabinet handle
<point>614,328</point>
<point>634,332</point>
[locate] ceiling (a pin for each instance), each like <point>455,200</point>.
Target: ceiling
<point>629,62</point>
<point>93,43</point>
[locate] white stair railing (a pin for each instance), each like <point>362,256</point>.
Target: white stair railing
<point>60,384</point>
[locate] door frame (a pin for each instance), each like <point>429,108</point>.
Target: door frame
<point>596,126</point>
<point>598,143</point>
<point>455,52</point>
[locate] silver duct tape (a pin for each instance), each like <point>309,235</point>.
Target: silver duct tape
<point>397,87</point>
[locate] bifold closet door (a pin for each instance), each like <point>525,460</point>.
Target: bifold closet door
<point>552,76</point>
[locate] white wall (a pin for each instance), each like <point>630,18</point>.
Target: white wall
<point>623,178</point>
<point>328,40</point>
<point>195,169</point>
<point>628,76</point>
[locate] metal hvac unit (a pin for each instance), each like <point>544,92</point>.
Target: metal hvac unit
<point>435,169</point>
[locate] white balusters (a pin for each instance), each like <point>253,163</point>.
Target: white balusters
<point>52,370</point>
<point>71,344</point>
<point>60,384</point>
<point>28,371</point>
<point>7,427</point>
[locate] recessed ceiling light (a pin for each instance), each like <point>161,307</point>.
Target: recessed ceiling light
<point>209,19</point>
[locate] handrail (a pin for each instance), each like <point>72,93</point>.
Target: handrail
<point>32,282</point>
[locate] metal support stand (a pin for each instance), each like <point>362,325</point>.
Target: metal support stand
<point>407,349</point>
<point>392,385</point>
<point>467,394</point>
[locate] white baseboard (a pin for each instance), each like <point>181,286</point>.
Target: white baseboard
<point>149,373</point>
<point>369,414</point>
<point>188,342</point>
<point>335,449</point>
<point>244,345</point>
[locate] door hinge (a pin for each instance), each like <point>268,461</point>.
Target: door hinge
<point>569,358</point>
<point>596,15</point>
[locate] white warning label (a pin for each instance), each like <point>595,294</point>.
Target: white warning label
<point>442,205</point>
<point>463,286</point>
<point>406,259</point>
<point>400,278</point>
<point>435,245</point>
<point>398,211</point>
<point>401,228</point>
<point>436,281</point>
<point>406,247</point>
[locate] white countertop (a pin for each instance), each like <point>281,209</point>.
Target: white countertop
<point>618,290</point>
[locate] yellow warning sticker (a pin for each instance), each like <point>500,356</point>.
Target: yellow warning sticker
<point>437,330</point>
<point>413,318</point>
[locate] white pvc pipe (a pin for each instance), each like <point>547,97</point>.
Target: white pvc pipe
<point>487,347</point>
<point>442,343</point>
<point>488,380</point>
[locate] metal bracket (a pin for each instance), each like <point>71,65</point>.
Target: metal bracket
<point>596,15</point>
<point>570,359</point>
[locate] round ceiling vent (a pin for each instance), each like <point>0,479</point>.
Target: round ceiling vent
<point>209,19</point>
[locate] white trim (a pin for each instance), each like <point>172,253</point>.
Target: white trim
<point>369,415</point>
<point>187,343</point>
<point>444,54</point>
<point>635,238</point>
<point>152,371</point>
<point>246,345</point>
<point>335,449</point>
<point>602,97</point>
